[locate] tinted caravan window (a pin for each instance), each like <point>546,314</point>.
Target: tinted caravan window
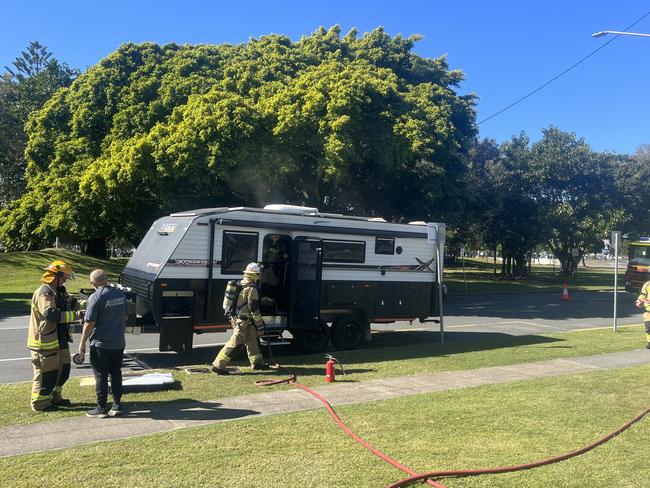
<point>344,251</point>
<point>384,245</point>
<point>239,249</point>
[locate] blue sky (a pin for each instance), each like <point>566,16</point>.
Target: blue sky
<point>505,48</point>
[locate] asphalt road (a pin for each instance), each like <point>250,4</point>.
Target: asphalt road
<point>467,319</point>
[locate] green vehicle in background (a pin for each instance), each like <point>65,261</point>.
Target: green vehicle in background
<point>638,265</point>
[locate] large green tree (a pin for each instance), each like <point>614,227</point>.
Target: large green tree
<point>12,143</point>
<point>574,187</point>
<point>34,78</point>
<point>480,199</point>
<point>516,218</point>
<point>632,179</point>
<point>501,208</point>
<point>31,61</point>
<point>346,123</point>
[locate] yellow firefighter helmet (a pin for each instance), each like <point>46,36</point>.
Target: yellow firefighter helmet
<point>252,268</point>
<point>252,272</point>
<point>55,268</point>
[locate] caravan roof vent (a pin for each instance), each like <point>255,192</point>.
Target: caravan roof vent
<point>418,222</point>
<point>377,219</point>
<point>291,209</point>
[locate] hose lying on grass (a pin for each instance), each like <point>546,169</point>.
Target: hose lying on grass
<point>292,380</point>
<point>520,467</point>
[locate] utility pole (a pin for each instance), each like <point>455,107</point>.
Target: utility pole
<point>436,233</point>
<point>616,238</point>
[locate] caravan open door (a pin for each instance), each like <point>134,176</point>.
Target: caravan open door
<point>306,271</point>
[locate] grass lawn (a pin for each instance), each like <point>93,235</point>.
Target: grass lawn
<point>480,427</point>
<point>21,273</point>
<point>383,357</point>
<point>480,279</point>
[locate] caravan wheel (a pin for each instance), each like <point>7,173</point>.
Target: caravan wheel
<point>311,340</point>
<point>347,333</point>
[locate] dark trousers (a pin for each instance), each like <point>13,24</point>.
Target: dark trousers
<point>107,362</point>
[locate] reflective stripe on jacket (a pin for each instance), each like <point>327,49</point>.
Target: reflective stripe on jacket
<point>45,315</point>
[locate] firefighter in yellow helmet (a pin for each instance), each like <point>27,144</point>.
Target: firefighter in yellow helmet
<point>48,336</point>
<point>245,322</point>
<point>643,301</point>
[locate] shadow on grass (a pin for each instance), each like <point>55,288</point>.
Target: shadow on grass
<point>183,409</point>
<point>176,385</point>
<point>16,303</point>
<point>77,407</point>
<point>385,346</point>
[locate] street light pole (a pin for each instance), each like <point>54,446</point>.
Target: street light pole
<point>616,235</point>
<point>618,33</point>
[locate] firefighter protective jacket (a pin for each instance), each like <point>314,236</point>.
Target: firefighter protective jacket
<point>48,311</point>
<point>643,296</point>
<point>248,303</point>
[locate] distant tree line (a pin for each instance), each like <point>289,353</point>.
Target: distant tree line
<point>347,123</point>
<point>557,193</point>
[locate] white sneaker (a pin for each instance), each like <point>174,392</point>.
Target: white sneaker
<point>115,410</point>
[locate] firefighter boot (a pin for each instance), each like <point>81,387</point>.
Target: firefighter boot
<point>219,371</point>
<point>261,367</point>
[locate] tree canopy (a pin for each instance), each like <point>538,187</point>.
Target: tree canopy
<point>36,76</point>
<point>345,123</point>
<point>356,124</point>
<point>505,212</point>
<point>556,193</point>
<point>30,62</point>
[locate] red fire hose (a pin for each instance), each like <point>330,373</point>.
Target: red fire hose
<point>520,467</point>
<point>292,380</point>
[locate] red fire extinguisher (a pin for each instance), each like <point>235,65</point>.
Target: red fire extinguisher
<point>330,368</point>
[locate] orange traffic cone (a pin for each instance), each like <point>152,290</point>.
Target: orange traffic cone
<point>565,292</point>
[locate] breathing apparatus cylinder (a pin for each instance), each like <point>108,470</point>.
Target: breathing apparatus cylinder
<point>330,370</point>
<point>229,297</point>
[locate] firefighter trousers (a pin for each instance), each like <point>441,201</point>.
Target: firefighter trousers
<point>51,371</point>
<point>647,333</point>
<point>244,334</point>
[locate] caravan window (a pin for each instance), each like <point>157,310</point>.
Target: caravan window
<point>384,245</point>
<point>344,251</point>
<point>239,249</point>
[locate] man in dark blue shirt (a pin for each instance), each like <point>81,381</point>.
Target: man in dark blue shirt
<point>104,323</point>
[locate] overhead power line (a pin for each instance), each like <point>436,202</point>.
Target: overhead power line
<point>563,72</point>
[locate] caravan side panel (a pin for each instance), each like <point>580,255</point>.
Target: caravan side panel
<point>150,257</point>
<point>188,270</point>
<point>384,286</point>
<point>158,244</point>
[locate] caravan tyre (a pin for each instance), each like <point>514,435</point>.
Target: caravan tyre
<point>347,333</point>
<point>311,340</point>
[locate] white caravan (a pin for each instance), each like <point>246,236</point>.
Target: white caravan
<point>324,276</point>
